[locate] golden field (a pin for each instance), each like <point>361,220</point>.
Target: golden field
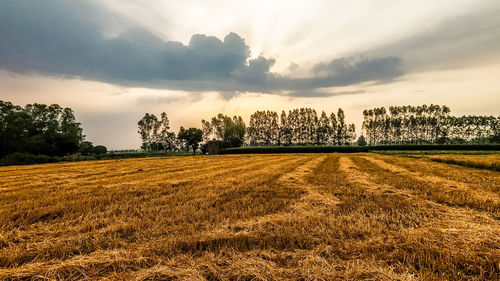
<point>491,162</point>
<point>250,217</point>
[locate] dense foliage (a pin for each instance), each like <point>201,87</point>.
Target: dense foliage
<point>87,148</point>
<point>154,133</point>
<point>401,125</point>
<point>190,138</point>
<point>38,129</point>
<point>300,127</point>
<point>427,125</point>
<point>224,128</point>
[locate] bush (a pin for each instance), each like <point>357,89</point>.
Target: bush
<point>100,149</point>
<point>361,141</point>
<point>22,158</point>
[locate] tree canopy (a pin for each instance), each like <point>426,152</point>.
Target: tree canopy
<point>301,126</point>
<point>426,125</point>
<point>38,129</point>
<point>190,138</point>
<point>304,126</point>
<point>224,128</point>
<point>154,133</point>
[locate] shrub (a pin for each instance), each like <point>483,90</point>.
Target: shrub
<point>22,158</point>
<point>100,149</point>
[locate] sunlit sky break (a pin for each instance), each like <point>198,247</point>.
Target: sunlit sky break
<point>113,60</point>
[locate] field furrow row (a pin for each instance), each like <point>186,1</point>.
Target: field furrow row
<point>252,217</point>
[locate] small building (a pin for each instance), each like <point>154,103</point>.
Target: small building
<point>214,146</point>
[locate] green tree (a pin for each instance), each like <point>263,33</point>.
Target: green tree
<point>224,128</point>
<point>361,141</point>
<point>191,138</point>
<point>147,130</point>
<point>234,131</point>
<point>285,130</point>
<point>100,150</point>
<point>154,132</point>
<point>208,130</point>
<point>341,127</point>
<point>323,131</point>
<point>170,141</point>
<point>162,126</point>
<point>334,138</point>
<point>86,148</point>
<point>38,129</point>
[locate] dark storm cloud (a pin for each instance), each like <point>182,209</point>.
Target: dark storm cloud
<point>55,37</point>
<point>257,71</point>
<point>347,71</point>
<point>70,38</point>
<point>359,68</point>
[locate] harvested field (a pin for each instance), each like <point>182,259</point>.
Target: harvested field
<point>489,162</point>
<point>251,217</point>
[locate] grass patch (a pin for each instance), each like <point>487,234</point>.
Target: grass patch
<point>469,164</point>
<point>435,152</point>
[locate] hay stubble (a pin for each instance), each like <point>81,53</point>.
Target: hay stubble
<point>251,217</point>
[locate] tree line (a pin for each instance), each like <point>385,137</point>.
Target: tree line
<point>41,129</point>
<point>303,126</point>
<point>156,136</point>
<point>424,124</point>
<point>299,127</point>
<point>52,130</point>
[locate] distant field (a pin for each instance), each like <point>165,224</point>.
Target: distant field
<point>490,162</point>
<point>358,216</point>
<point>433,152</point>
<point>384,149</point>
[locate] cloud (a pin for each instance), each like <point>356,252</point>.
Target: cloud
<point>257,71</point>
<point>81,39</point>
<point>322,94</point>
<point>463,40</point>
<point>54,37</point>
<point>161,99</point>
<point>378,68</point>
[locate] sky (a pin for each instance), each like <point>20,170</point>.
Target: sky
<point>111,61</point>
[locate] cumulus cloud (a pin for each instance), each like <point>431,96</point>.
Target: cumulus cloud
<point>76,39</point>
<point>54,37</point>
<point>257,71</point>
